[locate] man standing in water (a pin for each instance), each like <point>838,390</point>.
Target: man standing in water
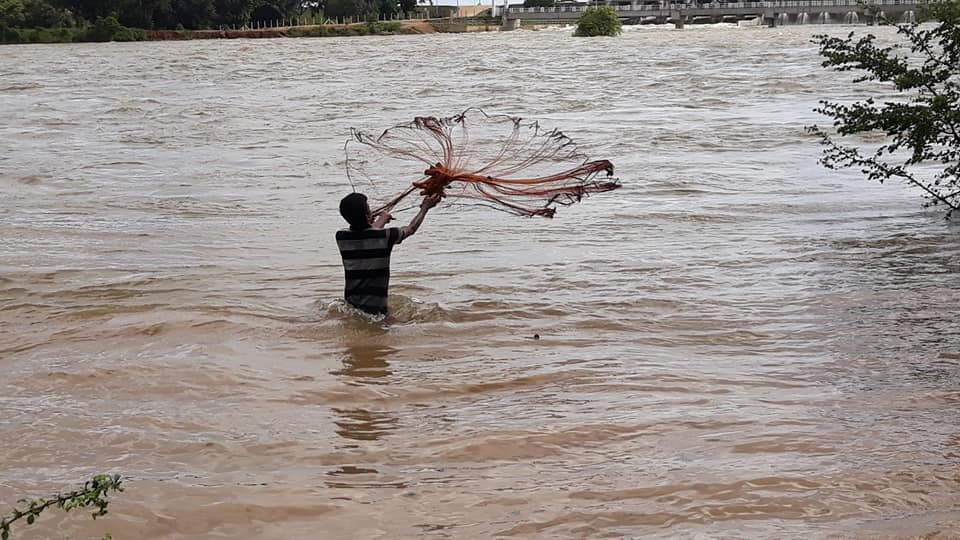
<point>365,248</point>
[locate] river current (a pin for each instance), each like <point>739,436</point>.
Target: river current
<point>738,343</point>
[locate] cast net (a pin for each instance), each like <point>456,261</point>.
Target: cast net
<point>474,158</point>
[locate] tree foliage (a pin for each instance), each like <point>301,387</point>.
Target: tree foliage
<point>538,3</point>
<point>109,29</point>
<point>103,29</point>
<point>598,21</point>
<point>16,15</point>
<point>93,494</point>
<point>33,14</point>
<point>921,129</point>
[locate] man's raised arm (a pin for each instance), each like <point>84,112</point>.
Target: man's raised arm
<point>425,206</point>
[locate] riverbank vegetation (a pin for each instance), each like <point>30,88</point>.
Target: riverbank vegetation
<point>920,131</point>
<point>58,21</point>
<point>93,494</point>
<point>102,29</point>
<point>598,21</point>
<point>370,28</point>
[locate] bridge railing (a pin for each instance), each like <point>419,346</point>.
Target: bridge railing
<point>760,4</point>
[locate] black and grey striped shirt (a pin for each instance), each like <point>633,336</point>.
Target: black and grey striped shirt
<point>366,266</point>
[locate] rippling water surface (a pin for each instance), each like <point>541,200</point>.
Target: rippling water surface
<point>737,344</point>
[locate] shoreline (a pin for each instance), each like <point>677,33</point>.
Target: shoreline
<point>318,30</point>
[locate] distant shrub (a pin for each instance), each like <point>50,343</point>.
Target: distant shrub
<point>598,21</point>
<point>37,35</point>
<point>385,28</point>
<point>63,35</point>
<point>9,35</point>
<point>316,31</point>
<point>103,29</point>
<point>348,30</point>
<point>109,29</point>
<point>129,34</point>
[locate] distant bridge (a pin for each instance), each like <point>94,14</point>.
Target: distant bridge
<point>770,12</point>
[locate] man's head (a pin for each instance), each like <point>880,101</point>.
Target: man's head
<point>355,210</point>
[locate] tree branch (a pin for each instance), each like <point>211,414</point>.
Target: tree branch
<point>94,493</point>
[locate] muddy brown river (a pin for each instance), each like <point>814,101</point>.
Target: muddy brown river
<point>737,344</point>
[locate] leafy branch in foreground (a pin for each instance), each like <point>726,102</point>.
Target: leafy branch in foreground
<point>921,131</point>
<point>93,494</point>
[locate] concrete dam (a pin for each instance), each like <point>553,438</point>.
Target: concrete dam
<point>768,12</point>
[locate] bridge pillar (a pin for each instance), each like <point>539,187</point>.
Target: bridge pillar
<point>676,17</point>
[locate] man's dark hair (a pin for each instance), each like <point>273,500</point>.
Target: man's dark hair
<point>354,208</point>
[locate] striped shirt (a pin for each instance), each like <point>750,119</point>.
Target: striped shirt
<point>366,266</point>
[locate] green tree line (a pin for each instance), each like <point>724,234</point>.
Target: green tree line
<point>118,15</point>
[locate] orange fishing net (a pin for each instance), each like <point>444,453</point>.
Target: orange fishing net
<point>475,158</point>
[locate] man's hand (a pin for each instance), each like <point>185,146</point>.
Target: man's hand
<point>430,202</point>
<point>381,219</point>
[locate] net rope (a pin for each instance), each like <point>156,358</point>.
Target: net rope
<point>498,161</point>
